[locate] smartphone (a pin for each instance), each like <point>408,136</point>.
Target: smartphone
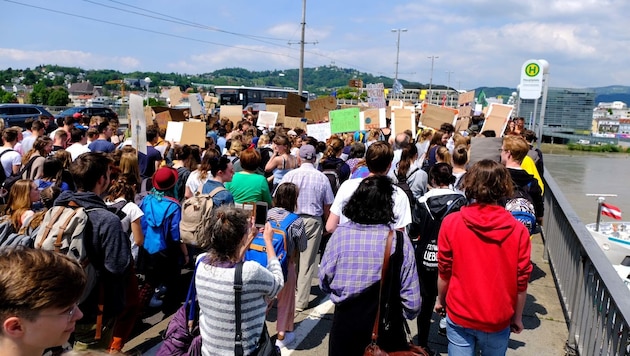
<point>260,217</point>
<point>249,208</point>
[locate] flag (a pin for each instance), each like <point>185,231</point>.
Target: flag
<point>611,211</point>
<point>481,99</point>
<point>398,87</point>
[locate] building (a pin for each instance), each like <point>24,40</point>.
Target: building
<point>568,110</point>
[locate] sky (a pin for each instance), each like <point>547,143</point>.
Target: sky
<point>473,42</point>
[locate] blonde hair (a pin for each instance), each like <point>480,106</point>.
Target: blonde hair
<point>19,201</point>
<point>129,165</point>
<point>443,155</point>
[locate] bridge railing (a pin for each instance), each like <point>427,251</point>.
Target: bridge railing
<point>595,300</point>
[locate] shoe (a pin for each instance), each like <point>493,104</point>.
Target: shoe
<point>155,302</point>
<point>286,340</point>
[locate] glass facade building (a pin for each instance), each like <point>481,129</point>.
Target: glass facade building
<point>567,110</point>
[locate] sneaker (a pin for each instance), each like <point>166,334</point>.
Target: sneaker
<point>286,340</point>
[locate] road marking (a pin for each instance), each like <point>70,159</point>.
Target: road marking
<point>309,323</point>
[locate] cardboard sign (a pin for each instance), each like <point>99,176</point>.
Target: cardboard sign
<point>232,112</point>
<point>320,131</point>
<point>497,118</point>
<point>186,133</point>
<point>376,95</point>
<point>294,122</point>
<point>296,105</point>
<point>355,83</point>
<point>403,119</point>
<point>162,119</point>
<point>344,120</point>
<point>197,107</point>
<point>372,119</point>
<point>211,99</point>
<point>465,98</point>
<point>277,109</point>
<point>320,108</point>
<point>396,104</point>
<point>138,123</point>
<point>267,119</point>
<point>175,96</point>
<point>276,101</point>
<point>462,124</point>
<point>465,111</point>
<point>434,116</point>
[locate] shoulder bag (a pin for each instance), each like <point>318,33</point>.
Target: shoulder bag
<point>373,349</point>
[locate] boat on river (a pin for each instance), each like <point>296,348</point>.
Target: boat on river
<point>613,238</point>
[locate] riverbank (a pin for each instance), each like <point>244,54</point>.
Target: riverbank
<point>557,149</point>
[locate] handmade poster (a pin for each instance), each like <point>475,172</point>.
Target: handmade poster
<point>138,123</point>
<point>294,122</point>
<point>296,105</point>
<point>434,116</point>
<point>465,111</point>
<point>344,120</point>
<point>465,98</point>
<point>320,108</point>
<point>320,131</point>
<point>197,107</point>
<point>372,119</point>
<point>497,118</point>
<point>462,124</point>
<point>232,112</point>
<point>396,104</point>
<point>211,99</point>
<point>175,96</point>
<point>267,119</point>
<point>403,119</point>
<point>163,118</point>
<point>277,109</point>
<point>186,132</point>
<point>376,95</point>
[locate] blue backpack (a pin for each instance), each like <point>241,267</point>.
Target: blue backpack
<point>522,208</point>
<point>257,251</point>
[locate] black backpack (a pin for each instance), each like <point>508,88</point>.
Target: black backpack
<point>402,184</point>
<point>333,176</point>
<point>7,182</point>
<point>3,175</point>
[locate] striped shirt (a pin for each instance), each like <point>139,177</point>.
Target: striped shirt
<point>296,236</point>
<point>315,190</point>
<point>353,260</point>
<point>215,292</point>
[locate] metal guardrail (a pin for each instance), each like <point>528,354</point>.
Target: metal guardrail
<point>595,300</point>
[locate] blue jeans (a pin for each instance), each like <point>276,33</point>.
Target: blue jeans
<point>463,341</point>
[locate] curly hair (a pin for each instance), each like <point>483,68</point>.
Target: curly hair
<point>372,202</point>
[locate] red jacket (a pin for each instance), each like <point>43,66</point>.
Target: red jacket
<point>484,253</point>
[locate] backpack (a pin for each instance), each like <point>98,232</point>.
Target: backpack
<point>333,176</point>
<point>180,186</point>
<point>265,156</point>
<point>425,226</point>
<point>145,188</point>
<point>521,207</point>
<point>10,180</point>
<point>257,251</point>
<point>402,184</point>
<point>63,231</point>
<point>3,175</point>
<point>25,237</point>
<point>196,212</point>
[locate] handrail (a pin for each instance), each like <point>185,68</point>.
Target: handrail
<point>595,300</point>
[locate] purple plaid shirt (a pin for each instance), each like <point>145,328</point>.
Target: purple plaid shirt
<point>315,190</point>
<point>353,259</point>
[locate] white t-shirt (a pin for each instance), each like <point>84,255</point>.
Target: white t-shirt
<point>76,149</point>
<point>402,211</point>
<point>193,183</point>
<point>133,213</point>
<point>27,143</point>
<point>9,160</point>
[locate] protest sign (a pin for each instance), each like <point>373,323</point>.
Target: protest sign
<point>372,119</point>
<point>186,132</point>
<point>277,109</point>
<point>320,108</point>
<point>403,119</point>
<point>294,122</point>
<point>138,123</point>
<point>497,118</point>
<point>434,116</point>
<point>175,96</point>
<point>344,120</point>
<point>267,119</point>
<point>296,105</point>
<point>232,112</point>
<point>320,131</point>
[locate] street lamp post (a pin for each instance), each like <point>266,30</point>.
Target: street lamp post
<point>399,30</point>
<point>147,80</point>
<point>448,87</point>
<point>432,58</point>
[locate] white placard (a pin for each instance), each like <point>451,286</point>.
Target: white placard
<point>138,123</point>
<point>197,106</point>
<point>320,131</point>
<point>267,119</point>
<point>174,130</point>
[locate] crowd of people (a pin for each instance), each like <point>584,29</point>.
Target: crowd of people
<point>351,193</point>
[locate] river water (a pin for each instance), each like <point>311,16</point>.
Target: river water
<point>581,174</point>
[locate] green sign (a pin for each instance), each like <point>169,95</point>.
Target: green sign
<point>532,69</point>
<point>344,120</point>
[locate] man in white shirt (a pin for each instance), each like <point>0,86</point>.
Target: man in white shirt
<point>378,159</point>
<point>79,143</point>
<point>37,130</point>
<point>12,160</point>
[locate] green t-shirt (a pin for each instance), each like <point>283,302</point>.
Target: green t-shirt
<point>249,187</point>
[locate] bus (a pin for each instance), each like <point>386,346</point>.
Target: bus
<point>251,96</point>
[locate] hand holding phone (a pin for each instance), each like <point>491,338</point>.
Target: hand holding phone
<point>260,214</point>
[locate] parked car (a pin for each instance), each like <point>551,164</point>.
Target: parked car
<point>89,111</point>
<point>16,114</point>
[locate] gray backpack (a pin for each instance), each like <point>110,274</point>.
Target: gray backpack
<point>196,213</point>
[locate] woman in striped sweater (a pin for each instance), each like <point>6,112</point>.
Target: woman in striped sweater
<point>230,233</point>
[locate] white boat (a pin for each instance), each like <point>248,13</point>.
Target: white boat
<point>613,238</point>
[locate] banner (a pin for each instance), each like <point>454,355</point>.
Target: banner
<point>344,120</point>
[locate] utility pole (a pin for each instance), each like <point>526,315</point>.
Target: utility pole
<point>399,30</point>
<point>432,58</point>
<point>301,71</point>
